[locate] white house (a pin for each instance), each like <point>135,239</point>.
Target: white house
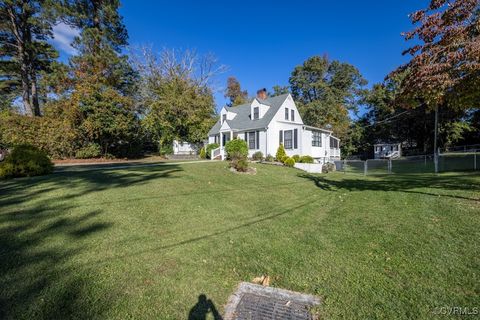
<point>387,150</point>
<point>266,122</point>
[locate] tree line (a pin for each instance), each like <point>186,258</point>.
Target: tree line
<point>104,102</point>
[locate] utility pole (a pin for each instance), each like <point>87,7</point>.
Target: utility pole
<point>435,150</point>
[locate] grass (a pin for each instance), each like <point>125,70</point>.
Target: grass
<point>145,242</point>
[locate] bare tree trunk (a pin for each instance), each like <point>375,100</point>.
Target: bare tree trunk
<point>26,91</point>
<point>34,93</point>
<point>22,58</point>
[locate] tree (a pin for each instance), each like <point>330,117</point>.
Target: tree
<point>326,91</point>
<point>235,93</point>
<point>176,96</point>
<point>96,91</point>
<point>25,27</point>
<point>445,64</point>
<point>444,70</point>
<point>279,90</point>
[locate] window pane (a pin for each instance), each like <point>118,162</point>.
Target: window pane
<point>286,113</point>
<point>316,139</point>
<point>293,115</point>
<point>251,140</point>
<point>288,139</point>
<point>255,113</point>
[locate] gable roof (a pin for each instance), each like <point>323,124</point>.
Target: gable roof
<point>243,121</point>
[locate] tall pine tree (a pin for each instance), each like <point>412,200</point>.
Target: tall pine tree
<point>25,27</point>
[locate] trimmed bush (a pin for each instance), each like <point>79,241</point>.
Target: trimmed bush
<point>280,153</point>
<point>203,154</point>
<point>236,148</point>
<point>289,162</point>
<point>239,164</point>
<point>25,161</point>
<point>296,157</point>
<point>257,156</point>
<point>92,150</point>
<point>285,157</point>
<point>210,147</point>
<point>306,159</point>
<point>269,158</point>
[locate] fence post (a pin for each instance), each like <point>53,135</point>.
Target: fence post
<point>389,166</point>
<point>365,167</point>
<point>474,161</point>
<point>344,165</point>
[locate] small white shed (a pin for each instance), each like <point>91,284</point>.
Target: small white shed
<point>387,150</point>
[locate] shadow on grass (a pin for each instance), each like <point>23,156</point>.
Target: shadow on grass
<point>202,308</point>
<point>403,183</point>
<point>39,238</point>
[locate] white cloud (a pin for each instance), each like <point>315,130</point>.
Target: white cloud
<point>63,36</point>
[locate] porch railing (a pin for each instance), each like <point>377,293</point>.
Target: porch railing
<point>215,153</point>
<point>334,152</point>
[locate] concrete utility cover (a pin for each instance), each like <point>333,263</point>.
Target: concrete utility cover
<point>255,302</point>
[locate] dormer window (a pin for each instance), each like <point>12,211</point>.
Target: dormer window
<point>256,113</point>
<point>224,118</point>
<point>286,113</point>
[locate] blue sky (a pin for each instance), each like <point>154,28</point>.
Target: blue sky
<point>262,41</point>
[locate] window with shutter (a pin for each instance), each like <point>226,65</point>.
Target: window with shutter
<point>288,139</point>
<point>280,140</point>
<point>295,138</point>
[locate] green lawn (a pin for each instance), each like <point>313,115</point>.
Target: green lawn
<point>145,242</point>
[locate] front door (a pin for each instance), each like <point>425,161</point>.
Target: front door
<point>226,138</point>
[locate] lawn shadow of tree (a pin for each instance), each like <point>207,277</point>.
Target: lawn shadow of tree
<point>38,279</point>
<point>455,185</point>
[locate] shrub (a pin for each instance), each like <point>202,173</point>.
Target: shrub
<point>203,154</point>
<point>25,161</point>
<point>280,153</point>
<point>289,162</point>
<point>296,157</point>
<point>328,167</point>
<point>236,148</point>
<point>210,147</point>
<point>285,157</point>
<point>258,156</point>
<point>92,150</point>
<point>239,164</point>
<point>269,158</point>
<point>306,159</point>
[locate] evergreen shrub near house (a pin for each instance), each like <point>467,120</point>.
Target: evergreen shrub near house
<point>91,150</point>
<point>236,148</point>
<point>203,154</point>
<point>269,158</point>
<point>289,162</point>
<point>211,147</point>
<point>306,159</point>
<point>257,156</point>
<point>285,157</point>
<point>296,157</point>
<point>25,161</point>
<point>237,152</point>
<point>280,153</point>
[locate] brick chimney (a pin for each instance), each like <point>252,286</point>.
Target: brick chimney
<point>262,94</point>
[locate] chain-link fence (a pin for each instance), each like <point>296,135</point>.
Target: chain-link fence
<point>447,162</point>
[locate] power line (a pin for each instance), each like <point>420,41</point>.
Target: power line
<point>387,119</point>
